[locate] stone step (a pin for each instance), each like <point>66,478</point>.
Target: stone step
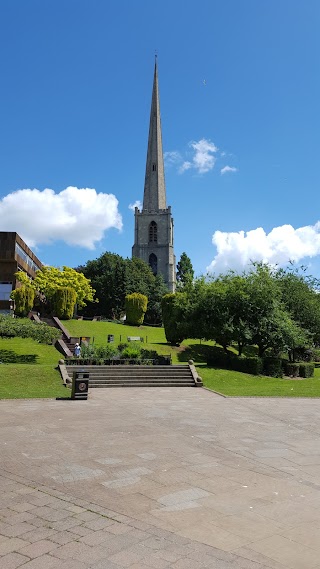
<point>126,367</point>
<point>139,384</point>
<point>135,375</point>
<point>152,371</point>
<point>138,378</point>
<point>112,371</point>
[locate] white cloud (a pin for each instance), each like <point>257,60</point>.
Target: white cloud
<point>228,169</point>
<point>203,159</point>
<point>137,204</point>
<point>185,166</point>
<point>237,250</point>
<point>172,158</point>
<point>77,216</point>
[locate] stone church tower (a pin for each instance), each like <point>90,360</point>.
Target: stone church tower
<point>153,236</point>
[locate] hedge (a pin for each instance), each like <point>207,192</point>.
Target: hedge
<point>253,365</point>
<point>272,366</point>
<point>291,369</point>
<point>306,370</point>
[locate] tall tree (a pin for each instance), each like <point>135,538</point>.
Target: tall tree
<point>185,272</point>
<point>300,295</point>
<point>156,292</point>
<point>108,276</point>
<point>113,277</point>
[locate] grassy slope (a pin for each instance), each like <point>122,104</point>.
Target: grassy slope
<point>42,380</point>
<point>153,338</point>
<point>39,379</point>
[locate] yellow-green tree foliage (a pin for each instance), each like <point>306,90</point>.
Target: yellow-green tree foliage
<point>63,301</point>
<point>23,298</point>
<point>49,279</point>
<point>136,307</point>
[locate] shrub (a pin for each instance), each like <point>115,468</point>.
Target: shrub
<point>220,359</point>
<point>24,328</point>
<point>306,370</point>
<point>99,352</point>
<point>291,369</point>
<point>252,365</point>
<point>316,355</point>
<point>135,306</point>
<point>132,352</point>
<point>272,366</point>
<point>63,301</point>
<point>24,299</point>
<point>122,346</point>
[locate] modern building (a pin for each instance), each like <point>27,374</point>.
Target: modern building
<point>15,256</point>
<point>153,237</point>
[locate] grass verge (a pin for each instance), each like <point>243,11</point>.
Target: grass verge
<point>236,384</point>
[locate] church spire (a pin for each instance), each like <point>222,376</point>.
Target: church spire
<point>154,198</point>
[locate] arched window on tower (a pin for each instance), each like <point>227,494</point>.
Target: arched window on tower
<point>153,263</point>
<point>153,232</point>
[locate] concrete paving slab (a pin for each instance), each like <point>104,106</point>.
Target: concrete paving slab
<point>160,478</point>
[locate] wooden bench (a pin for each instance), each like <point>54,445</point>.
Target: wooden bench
<point>134,339</point>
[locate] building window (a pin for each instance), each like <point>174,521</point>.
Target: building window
<point>154,167</point>
<point>153,263</point>
<point>153,232</point>
<point>5,290</point>
<point>23,255</point>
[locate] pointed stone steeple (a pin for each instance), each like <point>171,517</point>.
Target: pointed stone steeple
<point>154,198</point>
<point>153,232</point>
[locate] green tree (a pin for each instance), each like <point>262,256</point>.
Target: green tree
<point>174,316</point>
<point>113,277</point>
<point>108,276</point>
<point>213,318</point>
<point>185,272</point>
<point>49,279</point>
<point>139,277</point>
<point>300,295</point>
<point>63,302</point>
<point>135,306</point>
<point>157,290</point>
<point>24,299</point>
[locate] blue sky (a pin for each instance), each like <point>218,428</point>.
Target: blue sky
<point>239,93</point>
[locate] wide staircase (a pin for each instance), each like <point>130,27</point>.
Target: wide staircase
<point>66,344</point>
<point>138,375</point>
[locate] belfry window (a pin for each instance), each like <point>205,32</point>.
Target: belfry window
<point>153,232</point>
<point>153,263</point>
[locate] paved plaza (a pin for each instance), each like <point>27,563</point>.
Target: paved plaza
<point>160,479</point>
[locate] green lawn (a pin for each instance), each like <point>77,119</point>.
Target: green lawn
<point>153,338</point>
<point>236,384</point>
<point>28,380</point>
<point>39,378</point>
